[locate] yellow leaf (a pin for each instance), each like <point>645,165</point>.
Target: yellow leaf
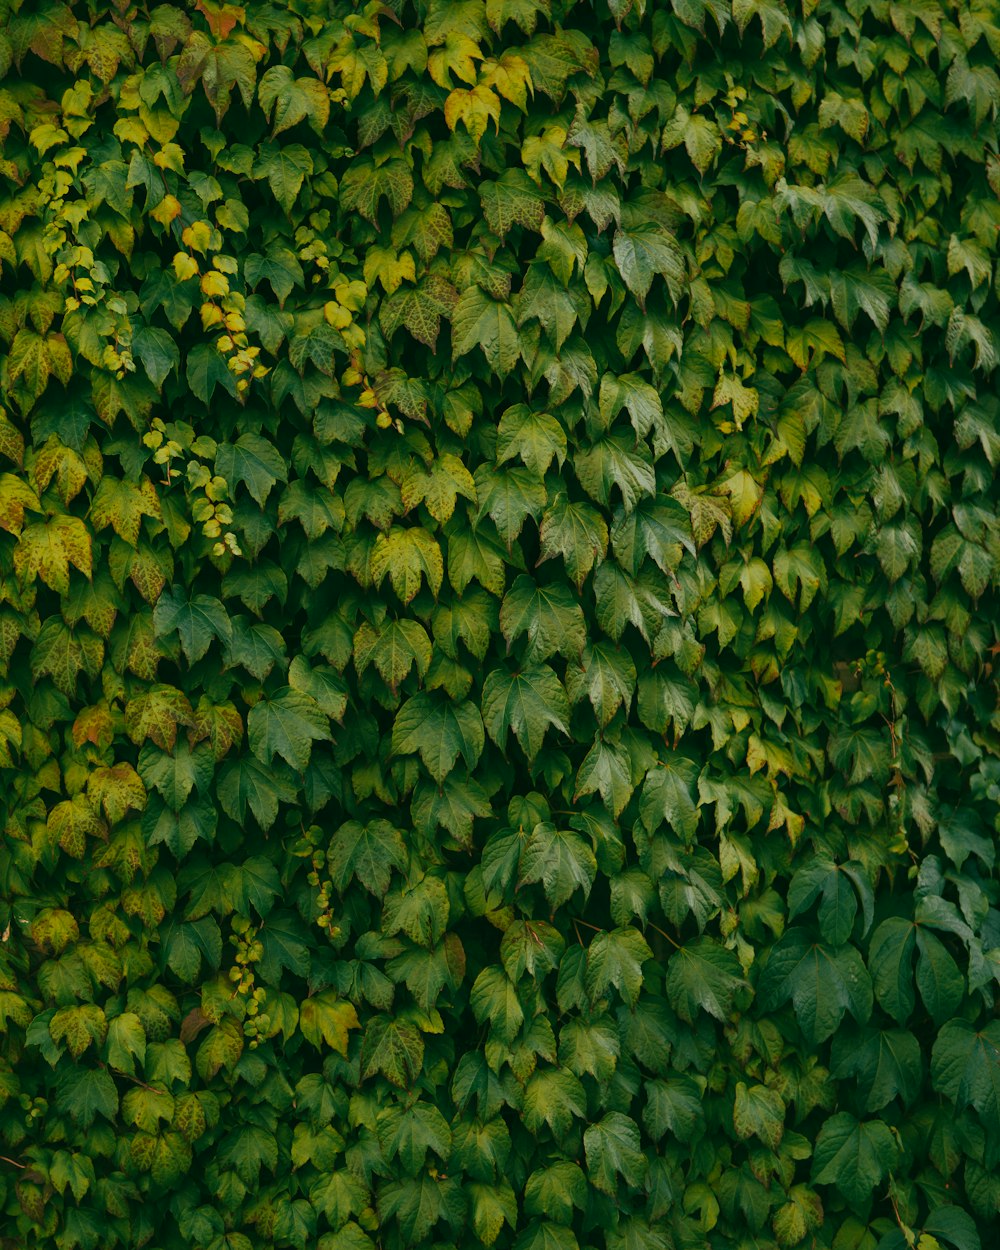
<point>474,109</point>
<point>389,267</point>
<point>167,210</point>
<point>744,399</point>
<point>94,724</point>
<point>170,156</point>
<point>744,494</point>
<point>407,555</point>
<point>15,496</point>
<point>336,316</point>
<point>65,465</point>
<point>510,77</point>
<point>116,790</point>
<point>324,1018</point>
<point>131,130</point>
<point>185,266</point>
<point>351,294</point>
<point>200,236</point>
<point>47,136</point>
<point>214,284</point>
<point>47,548</point>
<point>457,57</point>
<point>122,505</point>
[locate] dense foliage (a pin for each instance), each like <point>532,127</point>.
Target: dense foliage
<point>498,573</point>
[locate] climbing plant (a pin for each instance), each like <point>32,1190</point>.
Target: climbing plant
<point>499,559</point>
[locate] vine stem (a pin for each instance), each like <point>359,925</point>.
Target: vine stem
<point>675,945</point>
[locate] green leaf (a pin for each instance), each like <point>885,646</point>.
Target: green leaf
<point>605,676</point>
<point>839,887</point>
<point>939,980</point>
<point>887,1065</point>
<point>611,462</point>
<point>420,911</point>
<point>452,806</point>
<point>954,1225</point>
<point>285,167</point>
<point>822,982</point>
<point>420,309</point>
<point>702,976</point>
<point>606,770</point>
<point>206,370</point>
<point>248,1149</point>
<point>197,621</point>
<point>187,944</point>
<point>556,1191</point>
<point>759,1112</point>
<point>545,1235</point>
<point>286,724</point>
<point>508,496</point>
<point>890,957</point>
<point>364,185</point>
<point>612,1149</point>
<point>440,731</point>
<point>85,1093</point>
<point>64,654</point>
<point>536,438</point>
<point>528,703</point>
<point>575,531</point>
<point>157,351</point>
<point>280,268</point>
<point>675,1107</point>
<point>366,852</point>
<point>494,1000</point>
<point>253,461</point>
<point>853,1155</point>
<point>855,290</point>
<point>394,650</point>
<point>524,12</point>
<point>245,785</point>
<point>394,1048</point>
<point>478,320</point>
<point>544,299</point>
<point>411,1132</point>
<point>642,253</point>
<point>118,503</point>
<point>292,100</point>
<point>745,401</point>
<point>773,18</point>
<point>175,774</point>
<point>560,860</point>
<point>512,200</point>
<point>281,938</point>
<point>553,1097</point>
<point>667,795</point>
<point>322,684</point>
<point>665,699</point>
<point>616,958</point>
<point>316,508</point>
<point>46,549</point>
<point>549,617</point>
<point>531,947</point>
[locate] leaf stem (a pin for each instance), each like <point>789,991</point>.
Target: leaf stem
<point>675,945</point>
<point>596,927</point>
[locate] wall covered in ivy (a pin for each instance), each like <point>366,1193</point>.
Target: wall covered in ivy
<point>498,614</point>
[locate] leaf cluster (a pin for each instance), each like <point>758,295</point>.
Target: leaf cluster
<point>498,619</point>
